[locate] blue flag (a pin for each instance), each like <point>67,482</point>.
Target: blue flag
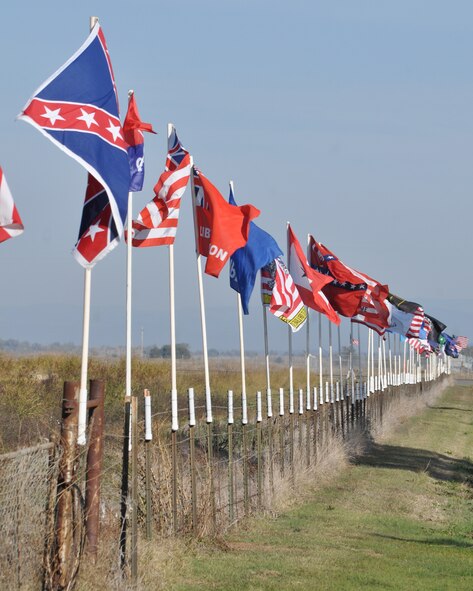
<point>77,109</point>
<point>260,250</point>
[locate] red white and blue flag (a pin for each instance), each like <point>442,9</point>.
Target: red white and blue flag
<point>133,129</point>
<point>156,224</point>
<point>10,221</point>
<point>77,109</point>
<point>98,233</point>
<point>279,292</point>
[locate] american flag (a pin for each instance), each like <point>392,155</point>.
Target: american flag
<point>461,342</point>
<point>279,291</point>
<point>355,342</point>
<point>420,345</point>
<point>10,221</point>
<point>416,323</point>
<point>156,224</point>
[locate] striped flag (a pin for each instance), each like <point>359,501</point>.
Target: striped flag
<point>460,342</point>
<point>10,221</point>
<point>279,292</point>
<point>156,224</point>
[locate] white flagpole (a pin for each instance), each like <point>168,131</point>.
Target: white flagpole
<point>340,358</point>
<point>266,352</point>
<point>368,370</point>
<point>330,356</point>
<point>208,399</point>
<point>291,372</point>
<point>172,318</point>
<point>321,383</point>
<point>82,418</point>
<point>307,352</point>
<point>242,341</point>
<point>82,415</point>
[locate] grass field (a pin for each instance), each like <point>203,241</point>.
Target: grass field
<point>400,517</point>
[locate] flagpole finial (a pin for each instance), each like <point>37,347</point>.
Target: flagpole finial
<point>93,21</point>
<point>131,92</point>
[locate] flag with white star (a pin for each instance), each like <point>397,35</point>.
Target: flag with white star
<point>98,233</point>
<point>77,109</point>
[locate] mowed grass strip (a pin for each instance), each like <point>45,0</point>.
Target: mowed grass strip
<point>400,518</point>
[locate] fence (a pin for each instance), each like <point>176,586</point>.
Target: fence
<point>27,492</point>
<point>200,478</point>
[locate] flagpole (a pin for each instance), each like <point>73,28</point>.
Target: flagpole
<point>291,372</point>
<point>340,359</point>
<point>200,283</point>
<point>360,379</point>
<point>307,359</point>
<point>330,356</point>
<point>266,350</point>
<point>82,418</point>
<point>368,368</point>
<point>321,383</point>
<point>82,415</point>
<point>172,323</point>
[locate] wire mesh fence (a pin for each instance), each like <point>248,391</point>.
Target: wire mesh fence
<point>26,490</point>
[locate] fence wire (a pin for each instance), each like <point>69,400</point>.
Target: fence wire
<point>25,505</point>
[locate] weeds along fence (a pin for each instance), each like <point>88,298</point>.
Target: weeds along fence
<point>27,496</point>
<point>161,478</point>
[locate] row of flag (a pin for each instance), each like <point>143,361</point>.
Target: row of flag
<point>77,109</point>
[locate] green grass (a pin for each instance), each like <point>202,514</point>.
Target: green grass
<point>401,518</point>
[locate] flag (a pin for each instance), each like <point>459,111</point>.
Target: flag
<point>437,329</point>
<point>280,293</point>
<point>419,345</point>
<point>460,342</point>
<point>10,221</point>
<point>156,224</point>
<point>260,250</point>
<point>133,129</point>
<point>450,347</point>
<point>77,109</point>
<point>309,282</point>
<point>373,311</point>
<point>355,342</point>
<point>347,287</point>
<point>98,234</point>
<point>404,317</point>
<point>222,228</point>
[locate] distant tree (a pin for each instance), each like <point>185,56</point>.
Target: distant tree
<point>183,351</point>
<point>154,352</point>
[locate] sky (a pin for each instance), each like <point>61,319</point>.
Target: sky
<point>351,120</point>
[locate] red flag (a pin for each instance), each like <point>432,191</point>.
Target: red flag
<point>309,282</point>
<point>10,221</point>
<point>133,129</point>
<point>222,228</point>
<point>373,311</point>
<point>346,290</point>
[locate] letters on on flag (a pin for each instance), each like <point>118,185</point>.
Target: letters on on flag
<point>156,224</point>
<point>98,233</point>
<point>279,292</point>
<point>77,109</point>
<point>133,129</point>
<point>309,282</point>
<point>260,250</point>
<point>222,228</point>
<point>10,221</point>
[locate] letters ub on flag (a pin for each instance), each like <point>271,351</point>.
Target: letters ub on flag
<point>10,221</point>
<point>260,250</point>
<point>156,224</point>
<point>222,228</point>
<point>280,293</point>
<point>308,281</point>
<point>77,109</point>
<point>133,129</point>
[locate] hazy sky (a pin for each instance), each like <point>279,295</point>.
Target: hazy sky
<point>352,120</point>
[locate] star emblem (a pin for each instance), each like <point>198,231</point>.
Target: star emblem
<point>93,230</point>
<point>52,115</point>
<point>114,130</point>
<point>88,118</point>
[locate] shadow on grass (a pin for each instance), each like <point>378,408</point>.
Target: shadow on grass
<point>430,541</point>
<point>450,408</point>
<point>436,465</point>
